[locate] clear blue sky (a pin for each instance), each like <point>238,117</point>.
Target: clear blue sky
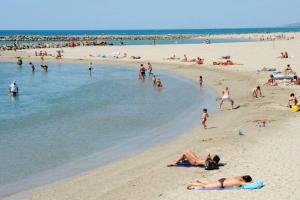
<point>151,14</point>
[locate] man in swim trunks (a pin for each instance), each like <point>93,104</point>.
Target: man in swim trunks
<point>226,97</point>
<point>221,183</point>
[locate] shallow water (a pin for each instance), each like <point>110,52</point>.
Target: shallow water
<point>65,121</point>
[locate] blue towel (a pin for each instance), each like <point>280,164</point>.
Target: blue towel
<point>184,163</point>
<point>252,186</point>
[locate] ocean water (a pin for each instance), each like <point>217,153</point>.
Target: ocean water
<point>66,121</point>
<point>149,32</point>
<point>147,42</point>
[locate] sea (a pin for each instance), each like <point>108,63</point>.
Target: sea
<point>148,32</point>
<point>67,121</point>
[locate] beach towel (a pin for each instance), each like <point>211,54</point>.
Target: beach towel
<point>249,186</point>
<point>207,166</point>
<point>279,75</point>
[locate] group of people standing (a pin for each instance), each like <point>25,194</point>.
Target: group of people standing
<point>155,80</point>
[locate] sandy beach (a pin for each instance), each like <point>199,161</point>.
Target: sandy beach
<point>268,153</point>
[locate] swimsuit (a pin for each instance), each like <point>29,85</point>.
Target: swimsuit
<point>226,98</point>
<point>222,182</point>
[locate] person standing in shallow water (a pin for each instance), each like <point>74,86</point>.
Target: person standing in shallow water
<point>32,66</point>
<point>150,69</point>
<point>13,89</point>
<point>142,72</point>
<point>200,81</point>
<point>90,67</point>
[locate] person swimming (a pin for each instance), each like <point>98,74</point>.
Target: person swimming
<point>45,67</point>
<point>159,84</point>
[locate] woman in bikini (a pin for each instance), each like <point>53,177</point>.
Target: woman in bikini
<point>221,183</point>
<point>194,160</point>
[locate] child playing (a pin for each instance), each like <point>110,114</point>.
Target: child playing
<point>204,117</point>
<point>257,92</point>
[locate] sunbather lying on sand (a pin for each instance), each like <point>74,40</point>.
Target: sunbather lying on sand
<point>135,57</point>
<point>225,57</point>
<point>228,62</point>
<point>199,61</point>
<point>267,69</point>
<point>194,160</point>
<point>172,58</point>
<point>271,81</point>
<point>221,183</point>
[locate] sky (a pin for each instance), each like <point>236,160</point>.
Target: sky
<point>142,14</point>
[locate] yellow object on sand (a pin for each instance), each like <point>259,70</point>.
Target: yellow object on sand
<point>295,108</point>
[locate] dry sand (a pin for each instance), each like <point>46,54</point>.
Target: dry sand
<point>267,153</point>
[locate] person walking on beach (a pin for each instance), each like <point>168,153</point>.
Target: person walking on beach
<point>204,118</point>
<point>150,69</point>
<point>13,89</point>
<point>200,81</point>
<point>226,97</point>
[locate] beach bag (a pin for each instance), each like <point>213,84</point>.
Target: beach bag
<point>210,165</point>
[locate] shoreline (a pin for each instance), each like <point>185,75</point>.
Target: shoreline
<point>243,154</point>
<point>57,174</point>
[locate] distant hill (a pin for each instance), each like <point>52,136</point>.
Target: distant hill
<point>293,25</point>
